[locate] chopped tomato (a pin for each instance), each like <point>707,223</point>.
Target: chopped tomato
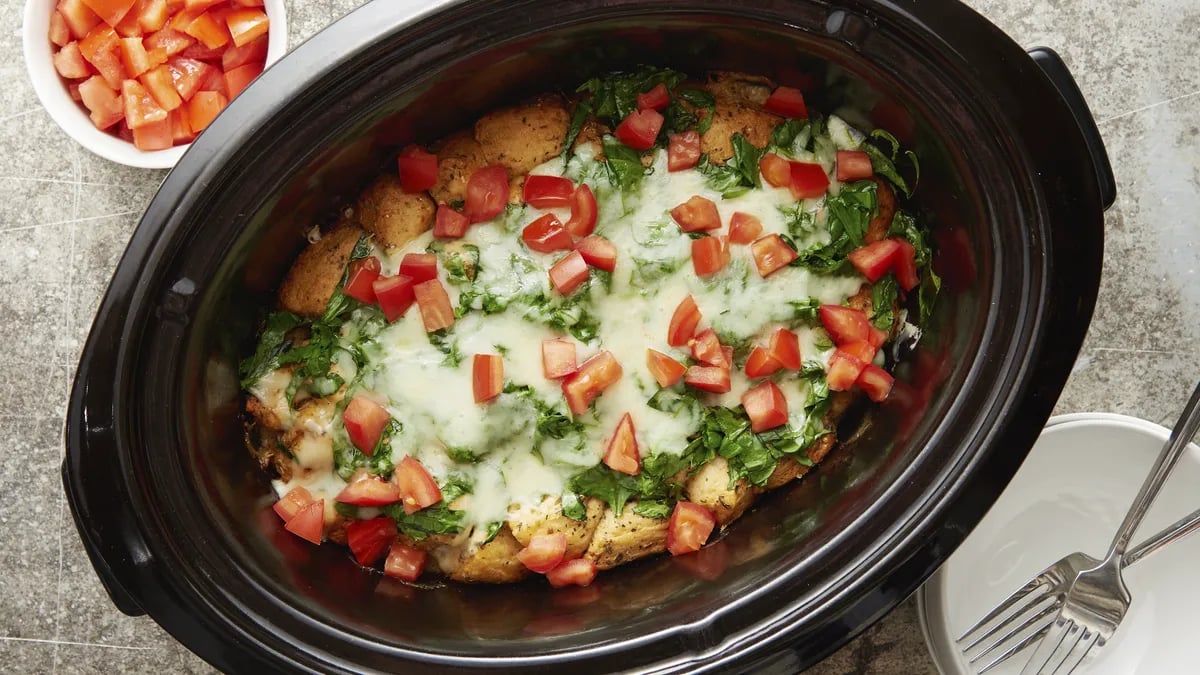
<point>639,129</point>
<point>665,370</point>
<point>202,52</point>
<point>69,62</point>
<point>210,32</point>
<point>309,522</point>
<point>247,24</point>
<point>843,371</point>
<point>80,18</point>
<point>844,324</point>
<point>598,252</point>
<point>853,165</point>
<point>622,453</point>
<point>683,322</point>
<point>293,502</point>
<point>239,78</point>
<point>436,311</point>
<point>558,358</point>
<point>544,552</point>
<point>706,348</point>
<point>417,488</point>
<point>808,180</point>
<point>187,74</point>
<point>365,421</point>
<point>876,382</point>
<point>103,104</point>
<point>776,170</point>
<point>583,212</point>
<point>788,102</point>
<point>362,275</point>
<point>761,363</point>
<point>158,82</point>
<point>708,256</point>
<point>576,572</point>
<point>593,377</point>
<point>394,294</point>
<point>369,490</point>
<point>134,56</point>
<point>690,526</point>
<point>569,272</point>
<point>99,48</point>
<point>863,350</point>
<point>906,266</point>
<point>154,136</point>
<point>655,99</point>
<point>419,266</point>
<point>547,192</point>
<point>369,539</point>
<point>708,378</point>
<point>766,406</point>
<point>180,131</point>
<point>153,15</point>
<point>140,107</point>
<point>697,214</point>
<point>418,168</point>
<point>771,254</point>
<point>404,562</point>
<point>875,260</point>
<point>128,26</point>
<point>204,108</point>
<point>110,11</point>
<point>169,40</point>
<point>487,371</point>
<point>254,52</point>
<point>450,224</point>
<point>683,151</point>
<point>60,35</point>
<point>487,193</point>
<point>547,235</point>
<point>876,336</point>
<point>785,347</point>
<point>744,228</point>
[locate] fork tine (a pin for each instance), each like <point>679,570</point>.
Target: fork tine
<point>1041,620</point>
<point>1011,600</point>
<point>1047,647</point>
<point>1074,632</point>
<point>1034,599</point>
<point>1015,649</point>
<point>1087,641</point>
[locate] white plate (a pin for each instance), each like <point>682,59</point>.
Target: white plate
<point>1070,495</point>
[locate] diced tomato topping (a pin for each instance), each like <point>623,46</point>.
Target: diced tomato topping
<point>766,406</point>
<point>180,131</point>
<point>862,350</point>
<point>683,322</point>
<point>876,336</point>
<point>487,193</point>
<point>639,129</point>
<point>245,25</point>
<point>598,252</point>
<point>665,370</point>
<point>761,363</point>
<point>60,35</point>
<point>419,266</point>
<point>785,347</point>
<point>876,382</point>
<point>80,18</point>
<point>843,371</point>
<point>544,552</point>
<point>103,103</point>
<point>622,453</point>
<point>683,151</point>
<point>128,26</point>
<point>569,272</point>
<point>237,79</point>
<point>547,192</point>
<point>134,56</point>
<point>369,539</point>
<point>69,62</point>
<point>140,107</point>
<point>844,324</point>
<point>202,52</point>
<point>788,102</point>
<point>436,311</point>
<point>369,490</point>
<point>204,108</point>
<point>708,378</point>
<point>293,502</point>
<point>593,377</point>
<point>309,522</point>
<point>154,136</point>
<point>546,235</point>
<point>254,52</point>
<point>655,99</point>
<point>196,6</point>
<point>362,276</point>
<point>187,75</point>
<point>744,228</point>
<point>690,526</point>
<point>576,572</point>
<point>169,40</point>
<point>558,358</point>
<point>365,421</point>
<point>706,348</point>
<point>110,11</point>
<point>697,214</point>
<point>875,260</point>
<point>808,180</point>
<point>853,165</point>
<point>394,294</point>
<point>583,212</point>
<point>708,256</point>
<point>99,48</point>
<point>487,371</point>
<point>450,224</point>
<point>153,15</point>
<point>906,266</point>
<point>771,254</point>
<point>776,170</point>
<point>417,488</point>
<point>210,32</point>
<point>404,562</point>
<point>418,169</point>
<point>158,82</point>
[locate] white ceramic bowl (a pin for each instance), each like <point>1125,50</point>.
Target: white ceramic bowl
<point>1070,495</point>
<point>71,116</point>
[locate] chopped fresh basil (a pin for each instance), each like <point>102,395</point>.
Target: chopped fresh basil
<point>463,455</point>
<point>852,210</point>
<point>346,510</point>
<point>624,164</point>
<point>800,221</point>
<point>493,529</point>
<point>579,117</point>
<point>678,118</point>
<point>445,343</point>
<point>674,400</point>
<point>883,162</point>
<point>347,459</point>
<point>601,482</point>
<point>614,96</point>
<point>806,311</point>
<point>784,137</point>
<point>272,344</point>
<point>653,509</point>
<point>884,294</point>
<point>573,507</point>
<point>739,174</point>
<point>436,519</point>
<point>904,225</point>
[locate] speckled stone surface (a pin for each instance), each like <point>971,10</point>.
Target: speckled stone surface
<point>65,216</point>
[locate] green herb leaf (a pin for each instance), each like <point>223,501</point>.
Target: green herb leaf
<point>579,117</point>
<point>739,174</point>
<point>800,221</point>
<point>884,294</point>
<point>272,344</point>
<point>852,209</point>
<point>624,164</point>
<point>883,161</point>
<point>463,455</point>
<point>348,459</point>
<point>674,401</point>
<point>493,529</point>
<point>601,482</point>
<point>653,509</point>
<point>783,138</point>
<point>573,507</point>
<point>436,519</point>
<point>806,311</point>
<point>445,343</point>
<point>614,96</point>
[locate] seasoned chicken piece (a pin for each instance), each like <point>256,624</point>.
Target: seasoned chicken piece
<point>458,156</point>
<point>591,134</point>
<point>738,110</point>
<point>786,471</point>
<point>885,203</point>
<point>821,447</point>
<point>394,216</point>
<point>547,517</point>
<point>268,402</point>
<point>493,563</point>
<point>309,439</point>
<point>523,136</point>
<point>620,539</point>
<point>739,87</point>
<point>316,273</point>
<point>861,300</point>
<point>709,487</point>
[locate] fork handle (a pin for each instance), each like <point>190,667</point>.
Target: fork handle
<point>1173,532</point>
<point>1181,435</point>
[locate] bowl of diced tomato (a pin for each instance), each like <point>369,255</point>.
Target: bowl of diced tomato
<point>135,81</point>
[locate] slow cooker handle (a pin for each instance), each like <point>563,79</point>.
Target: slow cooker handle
<point>1054,68</point>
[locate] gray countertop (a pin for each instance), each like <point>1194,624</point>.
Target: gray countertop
<point>65,216</point>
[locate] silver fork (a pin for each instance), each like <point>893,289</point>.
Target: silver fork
<point>1076,617</point>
